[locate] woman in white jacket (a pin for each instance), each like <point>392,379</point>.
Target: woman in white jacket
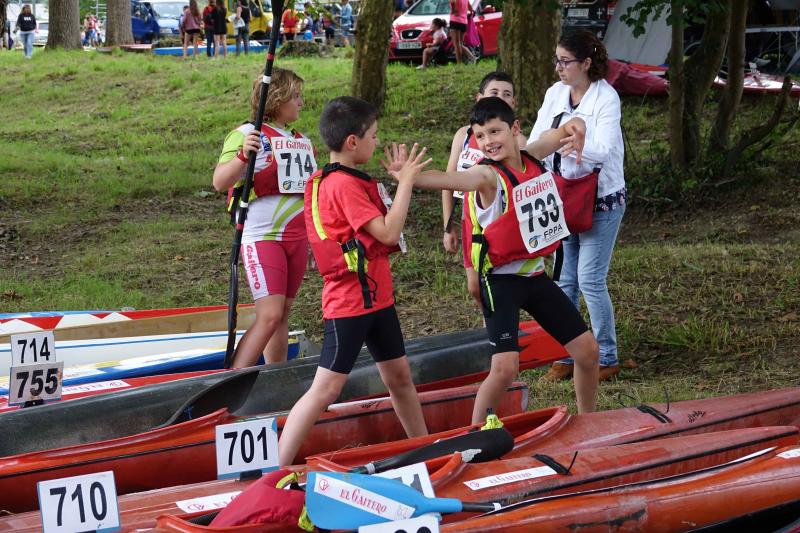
<point>581,62</point>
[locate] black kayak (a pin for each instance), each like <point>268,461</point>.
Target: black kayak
<point>454,358</point>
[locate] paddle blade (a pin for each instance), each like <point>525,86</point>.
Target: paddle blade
<point>476,447</point>
<point>339,500</point>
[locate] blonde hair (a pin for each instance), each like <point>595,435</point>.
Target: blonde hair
<point>283,85</point>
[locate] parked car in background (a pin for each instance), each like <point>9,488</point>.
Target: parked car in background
<point>40,37</point>
<point>410,31</point>
<point>155,19</point>
<point>260,19</point>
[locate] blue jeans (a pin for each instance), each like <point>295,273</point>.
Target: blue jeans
<point>243,36</point>
<point>587,257</point>
<point>27,42</point>
<point>209,42</point>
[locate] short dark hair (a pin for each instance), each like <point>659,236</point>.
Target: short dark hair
<point>344,116</point>
<point>489,108</point>
<point>584,43</point>
<point>440,22</point>
<point>496,76</point>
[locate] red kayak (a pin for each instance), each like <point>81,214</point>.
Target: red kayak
<point>758,494</point>
<point>184,453</point>
<point>552,429</point>
<point>508,481</point>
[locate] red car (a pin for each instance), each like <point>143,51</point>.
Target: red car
<point>410,31</point>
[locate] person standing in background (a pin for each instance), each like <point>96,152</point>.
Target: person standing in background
<point>243,31</point>
<point>289,21</point>
<point>190,28</point>
<point>458,26</point>
<point>220,15</point>
<point>26,26</point>
<point>581,62</point>
<point>208,26</point>
<point>346,20</point>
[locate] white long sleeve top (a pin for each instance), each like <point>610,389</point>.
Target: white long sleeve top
<point>600,109</point>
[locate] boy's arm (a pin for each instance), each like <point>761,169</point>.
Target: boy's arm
<point>566,139</point>
<point>477,178</point>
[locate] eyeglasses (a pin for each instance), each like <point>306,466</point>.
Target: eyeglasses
<point>564,63</point>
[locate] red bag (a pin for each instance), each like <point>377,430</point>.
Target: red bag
<point>471,37</point>
<point>578,196</point>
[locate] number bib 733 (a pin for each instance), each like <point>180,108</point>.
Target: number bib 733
<point>296,163</point>
<point>540,212</point>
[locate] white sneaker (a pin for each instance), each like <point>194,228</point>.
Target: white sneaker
<point>420,67</point>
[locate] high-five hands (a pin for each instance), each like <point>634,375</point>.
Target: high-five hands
<point>403,165</point>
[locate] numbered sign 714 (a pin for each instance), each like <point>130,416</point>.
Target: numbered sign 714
<point>32,348</point>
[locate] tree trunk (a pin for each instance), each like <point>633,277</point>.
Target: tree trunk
<point>699,73</point>
<point>65,24</point>
<point>3,32</point>
<point>676,88</point>
<point>118,23</point>
<point>528,37</point>
<point>719,139</point>
<point>372,51</point>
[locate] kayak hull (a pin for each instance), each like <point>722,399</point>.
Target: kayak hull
<point>184,452</point>
<point>767,485</point>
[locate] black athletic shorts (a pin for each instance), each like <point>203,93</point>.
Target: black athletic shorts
<point>344,338</point>
<point>460,26</point>
<point>539,296</point>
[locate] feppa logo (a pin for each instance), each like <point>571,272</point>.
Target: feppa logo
<point>251,266</point>
<point>533,242</point>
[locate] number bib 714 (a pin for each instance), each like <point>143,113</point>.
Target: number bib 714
<point>296,163</point>
<point>540,212</point>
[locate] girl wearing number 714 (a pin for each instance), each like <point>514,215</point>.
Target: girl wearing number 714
<point>274,241</point>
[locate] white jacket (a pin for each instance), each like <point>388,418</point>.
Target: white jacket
<point>600,109</point>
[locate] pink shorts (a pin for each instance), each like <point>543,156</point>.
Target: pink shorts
<point>275,267</point>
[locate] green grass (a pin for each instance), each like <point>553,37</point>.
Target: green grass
<point>106,202</point>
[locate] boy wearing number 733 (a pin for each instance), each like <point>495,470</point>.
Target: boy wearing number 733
<point>516,217</point>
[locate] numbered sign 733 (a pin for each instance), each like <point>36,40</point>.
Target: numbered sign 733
<point>247,446</point>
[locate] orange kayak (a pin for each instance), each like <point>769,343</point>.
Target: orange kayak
<point>758,494</point>
<point>184,452</point>
<point>554,429</point>
<point>508,481</point>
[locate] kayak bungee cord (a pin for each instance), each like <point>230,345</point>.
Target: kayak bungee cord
<point>241,214</point>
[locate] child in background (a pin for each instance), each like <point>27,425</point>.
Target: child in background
<point>353,225</point>
<point>515,220</point>
<point>464,153</point>
<point>274,243</point>
<point>439,37</point>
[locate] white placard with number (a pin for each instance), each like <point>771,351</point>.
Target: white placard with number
<point>540,212</point>
<point>247,446</point>
<point>415,476</point>
<point>41,381</point>
<point>33,347</point>
<point>80,503</point>
<point>296,163</point>
<point>422,524</point>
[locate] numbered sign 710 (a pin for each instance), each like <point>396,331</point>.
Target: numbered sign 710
<point>80,503</point>
<point>32,348</point>
<point>247,446</point>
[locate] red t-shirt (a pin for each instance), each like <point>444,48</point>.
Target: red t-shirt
<point>345,208</point>
<point>289,19</point>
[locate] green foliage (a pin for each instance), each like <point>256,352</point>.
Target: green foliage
<point>693,12</point>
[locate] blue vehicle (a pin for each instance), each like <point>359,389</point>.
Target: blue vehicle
<point>155,19</point>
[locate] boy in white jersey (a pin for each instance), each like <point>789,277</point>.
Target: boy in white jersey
<point>274,241</point>
<point>464,153</point>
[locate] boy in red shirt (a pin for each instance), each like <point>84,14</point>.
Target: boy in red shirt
<point>353,225</point>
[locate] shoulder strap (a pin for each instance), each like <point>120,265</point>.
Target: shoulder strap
<point>502,168</point>
<point>333,167</point>
<point>556,155</point>
<point>466,138</point>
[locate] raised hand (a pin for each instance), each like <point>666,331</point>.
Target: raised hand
<point>576,128</point>
<point>413,164</point>
<point>396,156</point>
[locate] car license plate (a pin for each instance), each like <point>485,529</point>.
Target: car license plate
<point>579,13</point>
<point>406,45</point>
